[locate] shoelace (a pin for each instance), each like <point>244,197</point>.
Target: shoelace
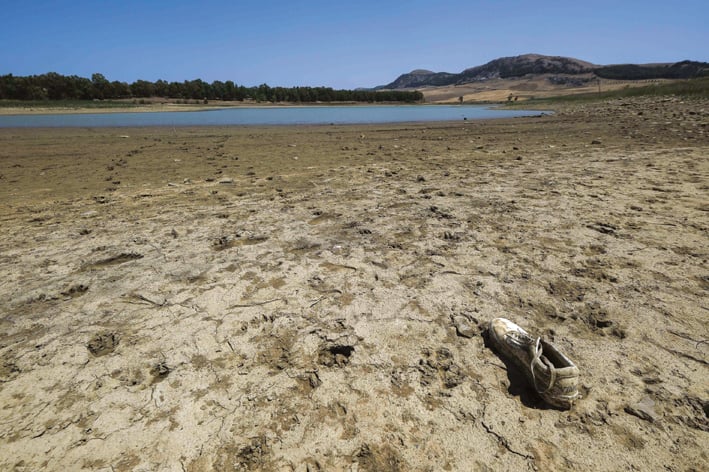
<point>552,370</point>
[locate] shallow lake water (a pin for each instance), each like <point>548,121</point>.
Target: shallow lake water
<point>246,116</point>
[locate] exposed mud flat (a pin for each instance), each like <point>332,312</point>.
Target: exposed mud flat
<point>314,298</point>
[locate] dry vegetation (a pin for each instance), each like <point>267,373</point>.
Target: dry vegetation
<point>526,88</point>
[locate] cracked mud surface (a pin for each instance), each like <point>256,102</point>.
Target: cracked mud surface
<point>314,298</point>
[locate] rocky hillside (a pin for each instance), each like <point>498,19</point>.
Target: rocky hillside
<point>535,64</point>
<point>421,78</point>
<point>506,67</point>
<point>678,70</point>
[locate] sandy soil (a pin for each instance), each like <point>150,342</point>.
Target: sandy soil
<point>314,298</point>
<point>525,88</point>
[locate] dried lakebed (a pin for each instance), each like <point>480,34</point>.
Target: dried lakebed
<point>323,307</point>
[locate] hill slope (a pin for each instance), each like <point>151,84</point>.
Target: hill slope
<point>537,64</point>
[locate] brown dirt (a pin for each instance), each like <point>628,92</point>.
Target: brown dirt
<point>525,88</point>
<point>312,298</point>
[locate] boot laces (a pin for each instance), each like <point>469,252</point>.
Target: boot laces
<point>539,357</point>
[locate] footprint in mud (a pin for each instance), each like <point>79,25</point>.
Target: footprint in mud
<point>226,242</point>
<point>75,291</point>
<point>603,228</point>
<point>255,455</point>
<point>598,319</point>
<point>103,344</point>
<point>594,269</point>
<point>440,366</point>
<point>335,355</point>
<point>222,242</point>
<point>308,381</point>
<point>159,371</point>
<point>114,260</point>
<point>594,250</point>
<point>565,290</point>
<point>8,370</point>
<point>451,236</point>
<point>381,458</point>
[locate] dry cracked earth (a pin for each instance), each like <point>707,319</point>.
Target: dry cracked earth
<point>316,298</point>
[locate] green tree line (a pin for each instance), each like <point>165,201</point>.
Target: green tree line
<point>53,86</point>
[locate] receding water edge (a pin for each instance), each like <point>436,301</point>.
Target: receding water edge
<point>255,116</point>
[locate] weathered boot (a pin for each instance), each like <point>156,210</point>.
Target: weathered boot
<point>552,374</point>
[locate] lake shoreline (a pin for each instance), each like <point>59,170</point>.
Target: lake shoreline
<point>179,107</point>
<point>262,116</point>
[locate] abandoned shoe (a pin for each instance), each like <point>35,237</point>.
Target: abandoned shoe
<point>552,374</point>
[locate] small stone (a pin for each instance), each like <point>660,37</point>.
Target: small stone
<point>464,328</point>
<point>644,409</point>
<point>226,181</point>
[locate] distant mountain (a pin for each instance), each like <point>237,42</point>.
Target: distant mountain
<point>678,70</point>
<point>421,78</point>
<point>518,66</point>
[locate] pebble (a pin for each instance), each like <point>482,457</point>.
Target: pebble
<point>644,409</point>
<point>464,327</point>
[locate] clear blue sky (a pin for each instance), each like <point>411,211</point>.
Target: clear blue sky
<point>341,44</point>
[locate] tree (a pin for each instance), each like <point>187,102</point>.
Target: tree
<point>161,88</point>
<point>263,93</point>
<point>229,90</point>
<point>195,89</point>
<point>100,86</point>
<point>78,88</point>
<point>54,86</point>
<point>142,88</point>
<point>241,94</point>
<point>119,90</point>
<point>217,90</point>
<point>8,87</point>
<point>175,90</point>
